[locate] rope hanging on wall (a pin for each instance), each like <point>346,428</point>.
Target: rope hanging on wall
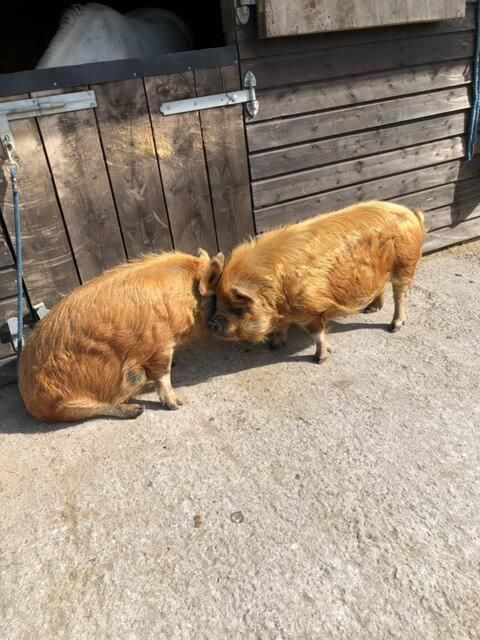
<point>474,113</point>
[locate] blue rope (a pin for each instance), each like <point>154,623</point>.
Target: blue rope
<point>18,253</point>
<point>472,132</point>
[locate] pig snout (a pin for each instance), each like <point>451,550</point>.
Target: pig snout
<point>217,324</point>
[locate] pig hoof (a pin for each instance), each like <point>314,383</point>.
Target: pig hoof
<point>371,309</point>
<point>171,402</point>
<point>395,326</point>
<point>319,359</point>
<point>136,410</point>
<point>174,403</point>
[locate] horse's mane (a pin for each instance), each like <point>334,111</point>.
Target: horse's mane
<point>66,24</point>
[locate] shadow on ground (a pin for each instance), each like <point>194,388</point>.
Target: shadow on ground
<point>195,365</point>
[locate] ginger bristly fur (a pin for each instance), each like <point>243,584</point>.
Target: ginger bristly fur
<point>307,273</point>
<point>97,348</point>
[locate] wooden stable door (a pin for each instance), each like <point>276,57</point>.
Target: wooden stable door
<point>101,185</point>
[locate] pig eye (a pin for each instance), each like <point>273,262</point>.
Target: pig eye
<point>236,311</point>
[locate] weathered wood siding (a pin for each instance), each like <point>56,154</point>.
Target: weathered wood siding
<point>375,113</point>
<point>296,17</point>
<point>101,185</point>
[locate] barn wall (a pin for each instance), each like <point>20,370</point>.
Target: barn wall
<point>101,185</point>
<point>375,113</point>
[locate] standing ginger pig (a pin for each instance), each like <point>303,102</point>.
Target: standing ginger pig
<point>308,273</point>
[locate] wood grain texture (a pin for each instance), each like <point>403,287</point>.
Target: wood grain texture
<point>226,154</point>
<point>331,150</point>
<point>8,283</point>
<point>6,257</point>
<point>8,309</point>
<point>127,141</point>
<point>76,159</point>
<point>451,195</point>
<point>446,236</point>
<point>250,46</point>
<point>276,133</point>
<point>303,183</point>
<point>6,351</point>
<point>278,18</point>
<point>451,215</point>
<point>389,188</point>
<point>8,369</point>
<point>49,268</point>
<point>180,149</point>
<point>303,98</point>
<point>279,71</point>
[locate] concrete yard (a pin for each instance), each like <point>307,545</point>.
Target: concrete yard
<point>285,500</point>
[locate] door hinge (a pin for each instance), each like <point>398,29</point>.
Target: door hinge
<point>245,96</point>
<point>34,107</point>
<point>242,10</point>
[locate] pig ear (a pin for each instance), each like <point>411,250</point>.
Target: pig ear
<point>211,275</point>
<point>242,295</point>
<point>203,254</point>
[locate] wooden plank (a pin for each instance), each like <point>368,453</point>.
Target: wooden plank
<point>49,268</point>
<point>250,46</point>
<point>451,215</point>
<point>445,237</point>
<point>227,164</point>
<point>332,94</point>
<point>8,283</point>
<point>289,159</point>
<point>446,195</point>
<point>6,350</point>
<point>127,141</point>
<point>389,188</point>
<point>78,168</point>
<point>8,309</point>
<point>182,164</point>
<point>6,257</point>
<point>279,71</point>
<point>303,183</point>
<point>276,133</point>
<point>277,18</point>
<point>8,370</point>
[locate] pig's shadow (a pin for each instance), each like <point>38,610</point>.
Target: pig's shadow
<point>194,365</point>
<point>217,358</point>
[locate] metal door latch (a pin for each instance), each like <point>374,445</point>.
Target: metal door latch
<point>246,96</point>
<point>34,107</point>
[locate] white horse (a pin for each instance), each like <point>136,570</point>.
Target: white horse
<point>96,33</point>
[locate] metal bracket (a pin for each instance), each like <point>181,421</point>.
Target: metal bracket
<point>34,107</point>
<point>242,10</point>
<point>246,96</point>
<point>40,311</point>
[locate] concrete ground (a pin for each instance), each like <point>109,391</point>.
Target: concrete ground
<point>286,500</point>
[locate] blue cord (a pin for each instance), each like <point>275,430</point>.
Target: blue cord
<point>472,132</point>
<point>18,253</point>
